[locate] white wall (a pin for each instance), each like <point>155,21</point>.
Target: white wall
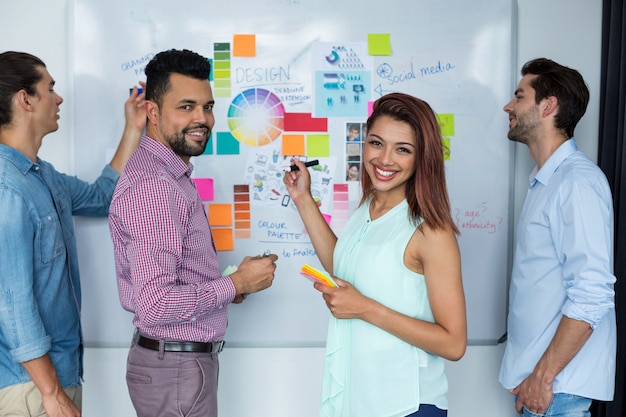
<point>283,382</point>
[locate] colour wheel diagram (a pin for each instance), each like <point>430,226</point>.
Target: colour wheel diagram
<point>256,117</point>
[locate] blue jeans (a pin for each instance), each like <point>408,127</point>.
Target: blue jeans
<point>564,405</point>
<point>428,410</point>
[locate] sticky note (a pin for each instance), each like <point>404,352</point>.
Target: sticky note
<point>205,188</point>
<point>379,44</point>
<point>316,275</point>
<point>446,124</point>
<point>244,45</point>
<point>227,144</point>
<point>318,145</point>
<point>220,215</point>
<point>221,46</point>
<point>305,122</point>
<point>293,145</point>
<point>223,239</point>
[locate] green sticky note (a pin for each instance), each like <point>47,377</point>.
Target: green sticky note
<point>379,44</point>
<point>220,65</point>
<point>222,46</point>
<point>221,56</point>
<point>318,145</point>
<point>446,124</point>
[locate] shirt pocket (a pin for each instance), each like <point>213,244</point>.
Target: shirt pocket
<point>50,237</point>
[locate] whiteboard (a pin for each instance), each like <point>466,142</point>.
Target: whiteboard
<point>319,64</point>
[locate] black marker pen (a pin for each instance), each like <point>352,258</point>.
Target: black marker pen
<point>308,164</point>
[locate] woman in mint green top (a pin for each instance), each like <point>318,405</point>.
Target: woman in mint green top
<point>399,310</point>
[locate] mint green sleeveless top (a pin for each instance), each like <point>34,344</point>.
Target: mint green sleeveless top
<point>369,372</point>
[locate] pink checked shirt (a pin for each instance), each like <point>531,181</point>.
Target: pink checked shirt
<point>168,273</point>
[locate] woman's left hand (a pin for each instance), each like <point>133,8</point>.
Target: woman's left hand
<point>344,302</point>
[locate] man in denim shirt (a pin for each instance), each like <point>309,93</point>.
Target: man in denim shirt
<point>40,332</point>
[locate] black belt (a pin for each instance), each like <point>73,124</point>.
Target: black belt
<point>174,346</point>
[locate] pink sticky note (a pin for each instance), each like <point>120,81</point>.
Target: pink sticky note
<point>327,217</point>
<point>205,188</point>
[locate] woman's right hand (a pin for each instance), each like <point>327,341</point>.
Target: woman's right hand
<point>298,182</point>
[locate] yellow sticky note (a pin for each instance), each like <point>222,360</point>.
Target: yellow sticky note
<point>379,44</point>
<point>244,45</point>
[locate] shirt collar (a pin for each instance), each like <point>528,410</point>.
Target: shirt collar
<point>17,158</point>
<point>544,174</point>
<point>172,162</point>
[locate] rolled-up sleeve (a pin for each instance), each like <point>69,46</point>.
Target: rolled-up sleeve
<point>586,252</point>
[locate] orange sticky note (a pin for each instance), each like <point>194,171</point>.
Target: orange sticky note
<point>244,45</point>
<point>220,215</point>
<point>223,239</point>
<point>293,144</point>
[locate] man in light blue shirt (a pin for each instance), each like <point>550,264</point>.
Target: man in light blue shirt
<point>40,333</point>
<point>561,346</point>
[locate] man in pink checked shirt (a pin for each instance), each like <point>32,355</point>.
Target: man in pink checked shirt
<point>167,267</point>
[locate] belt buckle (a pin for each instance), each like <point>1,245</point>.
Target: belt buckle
<point>218,346</point>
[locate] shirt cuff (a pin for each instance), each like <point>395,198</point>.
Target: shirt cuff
<point>225,290</point>
<point>109,172</point>
<point>593,318</point>
<point>32,350</point>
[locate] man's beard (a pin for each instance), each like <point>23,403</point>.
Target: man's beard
<point>182,148</point>
<point>525,128</point>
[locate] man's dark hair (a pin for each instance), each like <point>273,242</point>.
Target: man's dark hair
<point>566,84</point>
<point>18,71</point>
<point>164,63</point>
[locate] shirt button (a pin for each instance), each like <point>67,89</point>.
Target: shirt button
<point>193,319</point>
<point>220,307</point>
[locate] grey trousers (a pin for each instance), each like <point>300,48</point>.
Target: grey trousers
<point>172,384</point>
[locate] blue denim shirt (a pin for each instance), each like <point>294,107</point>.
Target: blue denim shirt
<point>39,283</point>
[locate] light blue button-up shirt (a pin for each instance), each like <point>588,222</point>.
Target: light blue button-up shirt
<point>39,283</point>
<point>563,265</point>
